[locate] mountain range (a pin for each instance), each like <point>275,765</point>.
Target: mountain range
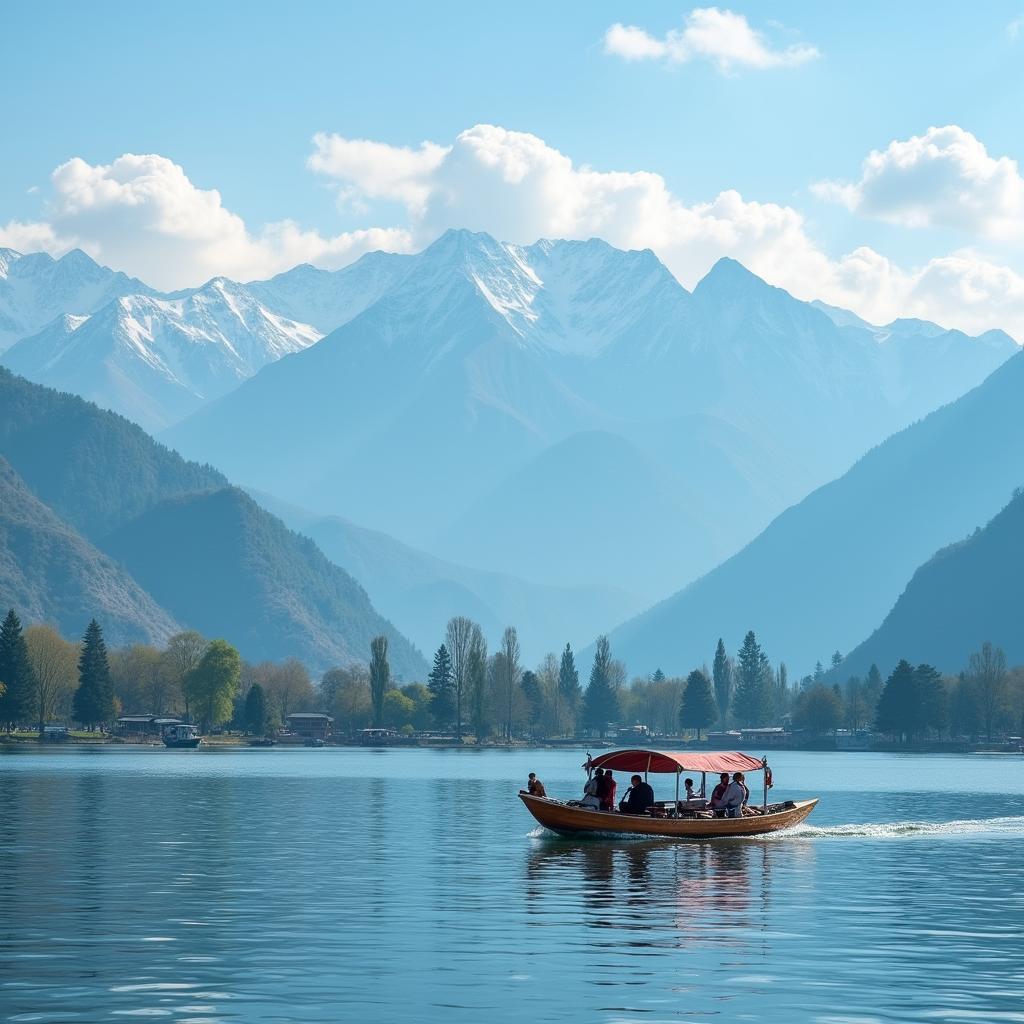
<point>552,436</point>
<point>99,519</point>
<point>826,572</point>
<point>569,413</point>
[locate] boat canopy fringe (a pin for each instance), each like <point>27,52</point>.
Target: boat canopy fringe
<point>662,762</point>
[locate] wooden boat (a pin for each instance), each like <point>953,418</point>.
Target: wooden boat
<point>672,819</point>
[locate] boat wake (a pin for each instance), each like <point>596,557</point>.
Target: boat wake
<point>1009,826</point>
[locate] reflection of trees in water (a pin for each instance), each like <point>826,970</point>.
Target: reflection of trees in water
<point>682,894</point>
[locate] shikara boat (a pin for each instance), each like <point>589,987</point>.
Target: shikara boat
<point>675,818</point>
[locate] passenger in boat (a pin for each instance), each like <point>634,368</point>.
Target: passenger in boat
<point>735,796</point>
<point>606,787</point>
<point>688,786</point>
<point>718,794</point>
<point>590,797</point>
<point>638,797</point>
<point>534,786</point>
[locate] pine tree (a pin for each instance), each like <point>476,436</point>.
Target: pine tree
<point>601,701</point>
<point>93,702</point>
<point>570,693</point>
<point>254,715</point>
<point>17,700</point>
<point>442,704</point>
<point>380,676</point>
<point>721,673</point>
<point>699,709</point>
<point>749,701</point>
<point>895,713</point>
<point>534,694</point>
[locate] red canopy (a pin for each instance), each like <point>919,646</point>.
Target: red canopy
<point>661,762</point>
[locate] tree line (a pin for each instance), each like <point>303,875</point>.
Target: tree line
<point>492,695</point>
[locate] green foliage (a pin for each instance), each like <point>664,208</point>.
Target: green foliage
<point>601,701</point>
<point>749,701</point>
<point>819,710</point>
<point>423,705</point>
<point>211,686</point>
<point>254,714</point>
<point>18,700</point>
<point>913,702</point>
<point>345,693</point>
<point>94,699</point>
<point>535,701</point>
<point>699,708</point>
<point>380,676</point>
<point>397,709</point>
<point>441,688</point>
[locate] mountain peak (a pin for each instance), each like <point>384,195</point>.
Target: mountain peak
<point>731,274</point>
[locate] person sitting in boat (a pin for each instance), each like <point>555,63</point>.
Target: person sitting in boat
<point>534,786</point>
<point>718,794</point>
<point>638,797</point>
<point>690,794</point>
<point>606,786</point>
<point>735,796</point>
<point>590,797</point>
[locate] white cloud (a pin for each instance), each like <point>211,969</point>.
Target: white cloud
<point>143,215</point>
<point>722,37</point>
<point>943,178</point>
<point>378,170</point>
<point>1013,29</point>
<point>518,188</point>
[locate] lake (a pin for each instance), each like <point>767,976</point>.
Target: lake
<point>411,885</point>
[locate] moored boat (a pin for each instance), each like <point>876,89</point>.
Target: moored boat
<point>182,736</point>
<point>683,819</point>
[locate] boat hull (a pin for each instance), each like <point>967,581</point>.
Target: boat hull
<point>189,744</point>
<point>577,821</point>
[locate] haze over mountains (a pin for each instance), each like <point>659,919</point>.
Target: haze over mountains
<point>569,413</point>
<point>99,519</point>
<point>552,436</point>
<point>826,572</point>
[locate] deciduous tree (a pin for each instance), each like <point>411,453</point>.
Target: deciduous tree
<point>211,686</point>
<point>54,663</point>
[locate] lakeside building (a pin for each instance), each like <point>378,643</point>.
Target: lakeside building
<point>310,725</point>
<point>142,725</point>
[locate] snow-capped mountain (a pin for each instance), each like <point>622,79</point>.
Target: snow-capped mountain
<point>155,359</point>
<point>35,288</point>
<point>568,412</point>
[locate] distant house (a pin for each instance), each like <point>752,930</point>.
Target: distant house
<point>142,725</point>
<point>769,736</point>
<point>310,725</point>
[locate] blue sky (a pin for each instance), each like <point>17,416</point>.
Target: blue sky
<point>233,95</point>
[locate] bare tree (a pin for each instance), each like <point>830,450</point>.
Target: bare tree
<point>184,652</point>
<point>476,681</point>
<point>54,663</point>
<point>987,673</point>
<point>457,638</point>
<point>511,671</point>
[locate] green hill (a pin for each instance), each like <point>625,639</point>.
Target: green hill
<point>228,567</point>
<point>968,593</point>
<point>52,574</point>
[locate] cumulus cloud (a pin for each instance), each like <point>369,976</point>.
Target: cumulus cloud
<point>943,178</point>
<point>720,36</point>
<point>518,188</point>
<point>143,215</point>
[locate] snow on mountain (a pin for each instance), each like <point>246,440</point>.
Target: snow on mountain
<point>327,299</point>
<point>157,359</point>
<point>35,288</point>
<point>495,397</point>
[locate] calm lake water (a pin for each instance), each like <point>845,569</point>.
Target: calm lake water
<point>402,885</point>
